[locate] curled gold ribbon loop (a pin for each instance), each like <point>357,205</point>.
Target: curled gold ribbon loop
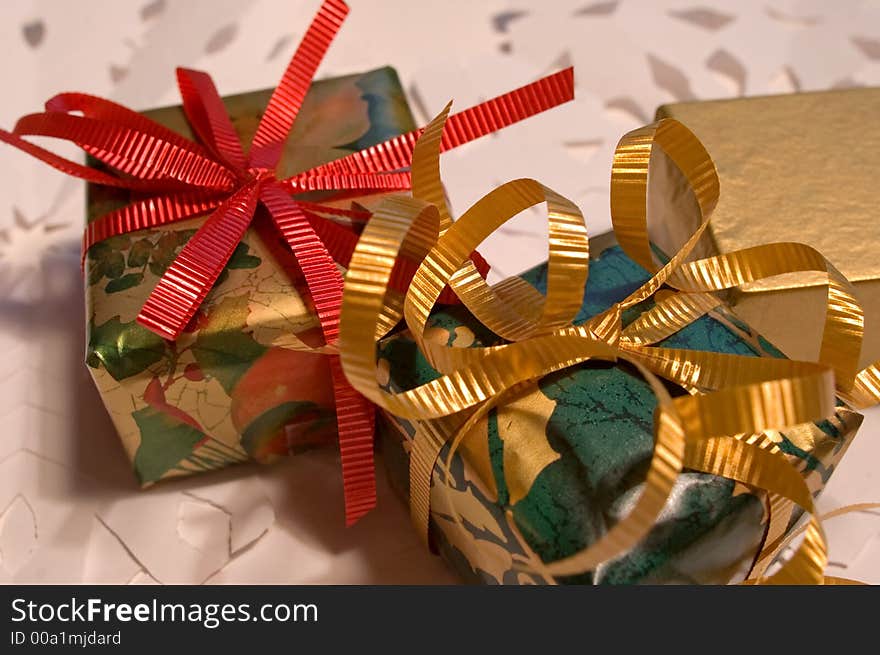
<point>502,312</point>
<point>668,316</point>
<point>718,428</point>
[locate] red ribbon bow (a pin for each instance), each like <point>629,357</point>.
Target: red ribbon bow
<point>182,179</point>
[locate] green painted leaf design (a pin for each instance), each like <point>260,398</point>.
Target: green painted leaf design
<point>222,348</point>
<point>165,442</point>
<point>166,249</point>
<point>96,271</point>
<point>99,250</point>
<point>168,242</point>
<point>114,264</point>
<point>158,268</point>
<point>387,108</point>
<point>92,359</point>
<point>164,253</point>
<point>224,275</point>
<point>127,281</point>
<point>125,349</point>
<point>241,259</point>
<point>140,253</point>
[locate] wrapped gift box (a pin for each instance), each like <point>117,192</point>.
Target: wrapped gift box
<point>796,167</point>
<point>592,426</point>
<point>233,386</point>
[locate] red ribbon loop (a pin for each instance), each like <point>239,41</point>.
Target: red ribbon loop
<point>143,155</point>
<point>207,115</point>
<point>77,170</point>
<point>111,112</point>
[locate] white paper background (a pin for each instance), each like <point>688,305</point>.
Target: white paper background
<point>69,508</point>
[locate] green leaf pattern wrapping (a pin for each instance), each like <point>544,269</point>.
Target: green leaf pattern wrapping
<point>165,441</point>
<point>124,349</point>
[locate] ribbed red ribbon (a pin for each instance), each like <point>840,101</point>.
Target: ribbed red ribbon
<point>183,179</point>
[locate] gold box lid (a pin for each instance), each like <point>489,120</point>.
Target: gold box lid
<point>801,167</point>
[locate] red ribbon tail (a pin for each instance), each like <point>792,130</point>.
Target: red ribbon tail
<point>65,165</point>
<point>286,100</point>
<point>356,419</point>
<point>349,181</point>
<point>468,125</point>
<point>354,414</point>
<point>319,270</point>
<point>183,287</point>
<point>191,178</point>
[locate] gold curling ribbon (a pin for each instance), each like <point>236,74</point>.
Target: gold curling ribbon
<point>718,428</point>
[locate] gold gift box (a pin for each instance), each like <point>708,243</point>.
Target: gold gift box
<point>797,167</point>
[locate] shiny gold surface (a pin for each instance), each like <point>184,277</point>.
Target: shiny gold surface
<point>792,318</point>
<point>522,426</point>
<point>796,167</point>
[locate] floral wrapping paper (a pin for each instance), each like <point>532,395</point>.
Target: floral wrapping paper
<point>233,387</point>
<point>591,427</point>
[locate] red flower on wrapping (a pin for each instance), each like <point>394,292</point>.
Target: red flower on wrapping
<point>177,178</point>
